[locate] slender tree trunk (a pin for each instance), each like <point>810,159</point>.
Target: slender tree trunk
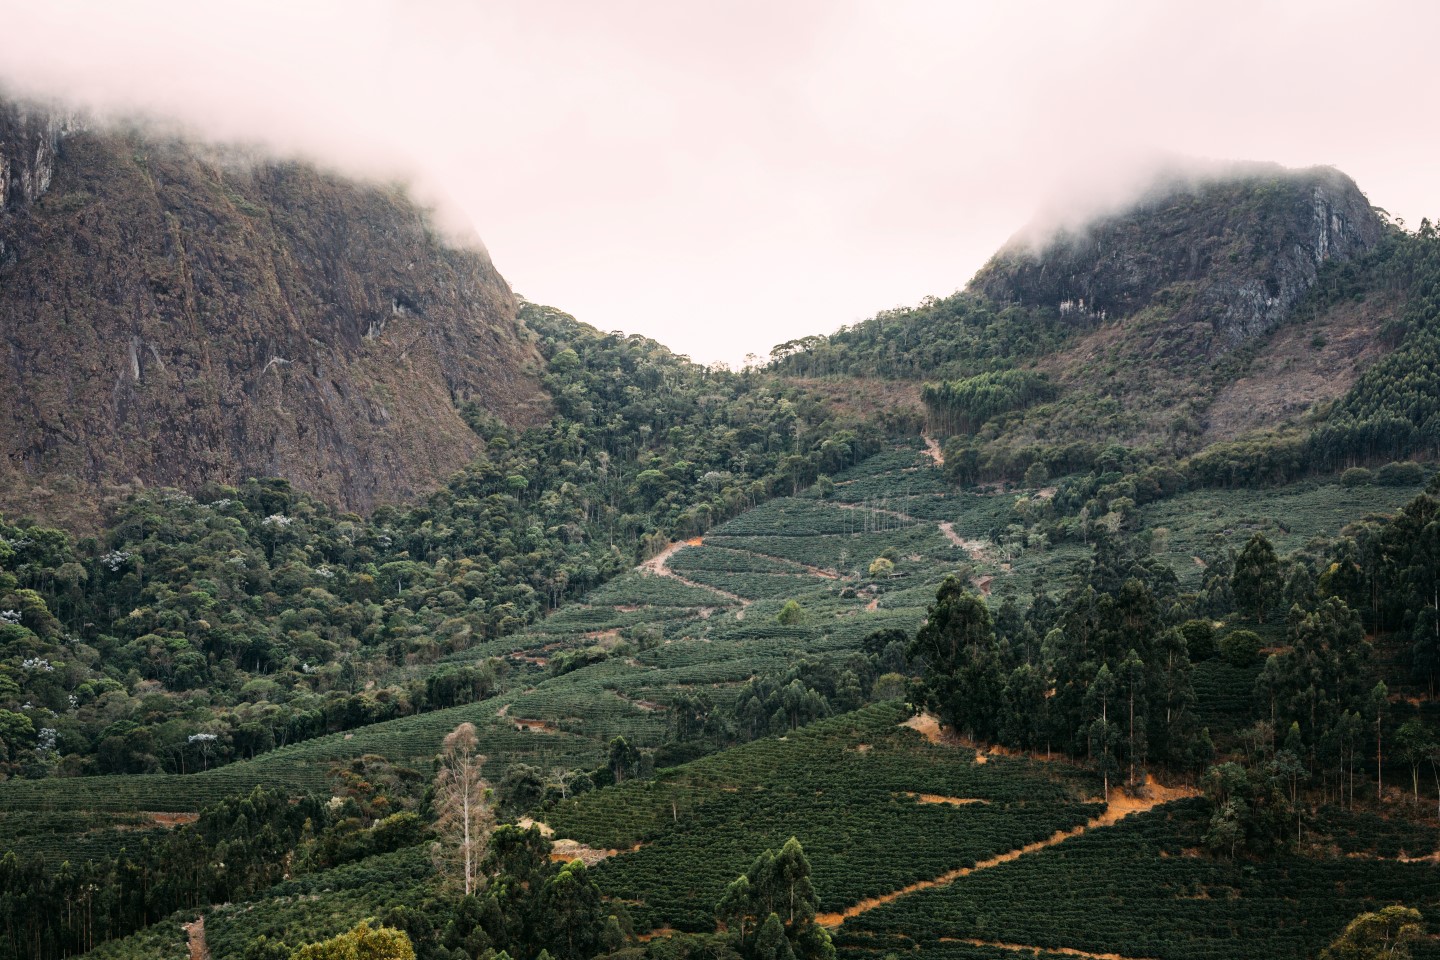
<point>1379,768</point>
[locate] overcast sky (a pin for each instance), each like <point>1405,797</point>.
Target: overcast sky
<point>724,176</point>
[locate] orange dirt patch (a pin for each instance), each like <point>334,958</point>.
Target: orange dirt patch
<point>933,451</point>
<point>649,935</point>
<point>978,549</point>
<point>1121,805</point>
<point>659,565</point>
<point>952,801</point>
<point>195,935</point>
<point>694,541</point>
<point>170,820</point>
<point>928,726</point>
<point>563,850</point>
<point>873,604</point>
<point>536,726</point>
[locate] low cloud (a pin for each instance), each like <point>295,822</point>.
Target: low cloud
<point>723,177</point>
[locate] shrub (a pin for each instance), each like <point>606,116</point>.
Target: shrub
<point>1356,477</point>
<point>1406,474</point>
<point>1241,647</point>
<point>1199,639</point>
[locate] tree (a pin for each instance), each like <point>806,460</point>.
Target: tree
<point>1379,707</point>
<point>572,913</point>
<point>464,817</point>
<point>1132,682</point>
<point>1415,741</point>
<point>1103,732</point>
<point>623,758</point>
<point>791,614</point>
<point>770,909</point>
<point>1383,935</point>
<point>362,943</point>
<point>1256,578</point>
<point>963,675</point>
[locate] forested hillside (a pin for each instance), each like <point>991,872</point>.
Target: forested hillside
<point>1135,345</point>
<point>197,629</point>
<point>1120,642</point>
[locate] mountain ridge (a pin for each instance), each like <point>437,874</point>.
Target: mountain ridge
<point>255,319</point>
<point>1234,252</point>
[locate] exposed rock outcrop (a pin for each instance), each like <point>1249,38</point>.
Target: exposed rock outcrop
<point>1216,262</point>
<point>171,314</point>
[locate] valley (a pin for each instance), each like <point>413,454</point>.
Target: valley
<point>354,606</point>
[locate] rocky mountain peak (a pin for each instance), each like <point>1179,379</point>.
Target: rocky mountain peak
<point>1223,259</point>
<point>170,317</point>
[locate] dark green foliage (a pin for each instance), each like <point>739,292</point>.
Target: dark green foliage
<point>1240,647</point>
<point>959,335</point>
<point>1136,889</point>
<point>283,611</point>
<point>769,910</point>
<point>845,786</point>
<point>963,670</point>
<point>961,406</point>
<point>1255,580</point>
<point>238,847</point>
<point>1393,410</point>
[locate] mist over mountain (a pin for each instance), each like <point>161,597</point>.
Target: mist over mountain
<point>1224,255</point>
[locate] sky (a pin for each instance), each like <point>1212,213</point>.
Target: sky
<point>727,176</point>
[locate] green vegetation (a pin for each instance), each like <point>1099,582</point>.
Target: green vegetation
<point>242,705</point>
<point>197,631</point>
<point>1138,889</point>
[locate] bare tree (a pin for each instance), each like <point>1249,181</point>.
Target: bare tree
<point>464,815</point>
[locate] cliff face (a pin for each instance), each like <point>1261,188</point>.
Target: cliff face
<point>172,315</point>
<point>1219,263</point>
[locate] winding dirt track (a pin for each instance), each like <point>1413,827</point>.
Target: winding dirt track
<point>1120,806</point>
<point>660,566</point>
<point>933,451</point>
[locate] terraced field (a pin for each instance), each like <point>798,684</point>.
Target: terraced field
<point>853,789</point>
<point>866,796</point>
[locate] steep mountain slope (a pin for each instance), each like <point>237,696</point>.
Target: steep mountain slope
<point>1206,310</point>
<point>178,315</point>
<point>1223,260</point>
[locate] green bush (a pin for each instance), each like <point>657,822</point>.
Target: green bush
<point>1357,477</point>
<point>1241,647</point>
<point>1400,474</point>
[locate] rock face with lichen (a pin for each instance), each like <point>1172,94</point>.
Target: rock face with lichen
<point>1210,264</point>
<point>174,314</point>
